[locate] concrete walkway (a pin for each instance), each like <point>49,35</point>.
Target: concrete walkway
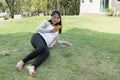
<point>15,17</point>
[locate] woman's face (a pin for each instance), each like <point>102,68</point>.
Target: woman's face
<point>55,19</point>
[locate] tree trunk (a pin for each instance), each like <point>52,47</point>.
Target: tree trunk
<point>11,7</point>
<point>58,5</point>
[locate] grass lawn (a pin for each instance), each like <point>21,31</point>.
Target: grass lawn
<point>95,54</point>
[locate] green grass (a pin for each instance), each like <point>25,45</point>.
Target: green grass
<point>93,56</point>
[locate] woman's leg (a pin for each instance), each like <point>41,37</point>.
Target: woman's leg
<point>41,51</point>
<point>41,58</point>
<point>36,63</point>
<point>39,45</point>
<point>40,48</point>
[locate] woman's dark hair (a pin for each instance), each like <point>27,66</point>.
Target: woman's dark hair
<point>60,22</point>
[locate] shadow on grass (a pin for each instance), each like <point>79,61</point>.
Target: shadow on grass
<point>89,48</point>
<point>14,42</point>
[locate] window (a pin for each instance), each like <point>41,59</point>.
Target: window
<point>118,1</point>
<point>83,1</point>
<point>90,1</point>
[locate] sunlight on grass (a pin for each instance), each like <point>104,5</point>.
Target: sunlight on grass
<point>101,23</point>
<point>20,25</point>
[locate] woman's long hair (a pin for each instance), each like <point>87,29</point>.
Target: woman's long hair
<point>60,22</point>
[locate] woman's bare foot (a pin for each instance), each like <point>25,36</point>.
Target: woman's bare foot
<point>31,70</point>
<point>19,65</point>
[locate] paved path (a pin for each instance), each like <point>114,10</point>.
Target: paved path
<point>15,17</point>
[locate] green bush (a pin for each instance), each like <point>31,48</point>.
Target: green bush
<point>109,12</point>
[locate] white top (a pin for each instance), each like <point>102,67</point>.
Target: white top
<point>44,29</point>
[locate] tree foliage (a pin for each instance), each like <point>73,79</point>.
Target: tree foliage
<point>67,7</point>
<point>70,7</point>
<point>34,7</point>
<point>1,4</point>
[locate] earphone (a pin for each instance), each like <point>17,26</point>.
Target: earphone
<point>58,20</point>
<point>50,18</point>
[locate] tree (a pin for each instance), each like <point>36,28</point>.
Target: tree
<point>34,7</point>
<point>58,5</point>
<point>70,7</point>
<point>25,7</point>
<point>1,5</point>
<point>10,4</point>
<point>43,6</point>
<point>17,7</point>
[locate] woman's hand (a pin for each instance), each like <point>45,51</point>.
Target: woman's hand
<point>54,30</point>
<point>68,44</point>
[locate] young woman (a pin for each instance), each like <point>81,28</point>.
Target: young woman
<point>45,37</point>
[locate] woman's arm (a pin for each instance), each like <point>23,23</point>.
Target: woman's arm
<point>66,43</point>
<point>42,26</point>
